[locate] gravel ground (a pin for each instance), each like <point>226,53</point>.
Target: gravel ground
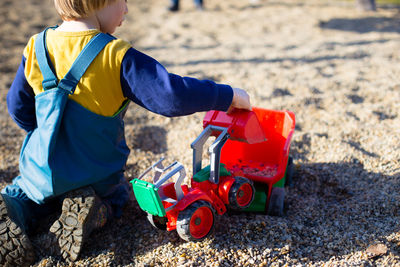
<point>333,66</point>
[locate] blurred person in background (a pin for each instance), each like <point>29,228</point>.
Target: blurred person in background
<point>366,5</point>
<point>175,5</point>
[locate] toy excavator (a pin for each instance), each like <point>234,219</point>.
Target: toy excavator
<point>249,168</point>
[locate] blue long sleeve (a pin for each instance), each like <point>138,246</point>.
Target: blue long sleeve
<point>21,101</point>
<point>146,82</point>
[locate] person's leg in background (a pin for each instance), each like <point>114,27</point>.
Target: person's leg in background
<point>174,5</point>
<point>366,5</point>
<point>199,4</point>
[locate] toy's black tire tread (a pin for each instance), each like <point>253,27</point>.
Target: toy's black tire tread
<point>184,217</point>
<point>158,222</point>
<point>289,172</point>
<point>233,191</point>
<point>276,202</point>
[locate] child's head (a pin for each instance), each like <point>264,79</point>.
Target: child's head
<point>107,14</point>
<point>78,9</point>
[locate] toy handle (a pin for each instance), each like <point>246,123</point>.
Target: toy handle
<point>176,168</point>
<point>157,167</point>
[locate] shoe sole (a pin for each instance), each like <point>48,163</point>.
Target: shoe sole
<point>76,222</point>
<point>15,247</point>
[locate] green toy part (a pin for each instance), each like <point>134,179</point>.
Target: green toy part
<point>204,174</point>
<point>147,197</point>
<point>260,198</point>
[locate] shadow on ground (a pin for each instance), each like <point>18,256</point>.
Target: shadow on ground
<point>363,25</point>
<point>151,138</point>
<point>6,175</point>
<point>324,199</point>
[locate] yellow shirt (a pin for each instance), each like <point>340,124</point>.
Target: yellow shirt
<point>99,89</point>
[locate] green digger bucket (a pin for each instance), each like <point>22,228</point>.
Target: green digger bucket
<point>147,197</point>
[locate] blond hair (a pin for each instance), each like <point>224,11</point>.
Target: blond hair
<point>76,9</point>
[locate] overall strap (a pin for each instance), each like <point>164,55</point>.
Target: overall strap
<point>46,67</point>
<point>78,68</point>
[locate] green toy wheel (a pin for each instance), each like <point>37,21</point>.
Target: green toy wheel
<point>196,221</point>
<point>241,193</point>
<point>157,221</point>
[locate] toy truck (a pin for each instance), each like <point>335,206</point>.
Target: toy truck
<point>249,168</point>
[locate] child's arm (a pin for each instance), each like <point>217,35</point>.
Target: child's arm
<point>146,82</point>
<point>21,101</point>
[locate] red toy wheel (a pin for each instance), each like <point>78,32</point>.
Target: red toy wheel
<point>241,193</point>
<point>196,221</point>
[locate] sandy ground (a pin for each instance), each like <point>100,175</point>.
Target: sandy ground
<point>336,68</point>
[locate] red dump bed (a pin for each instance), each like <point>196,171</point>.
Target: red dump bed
<point>259,144</point>
<point>242,126</point>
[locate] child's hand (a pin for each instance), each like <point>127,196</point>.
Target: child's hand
<point>241,100</point>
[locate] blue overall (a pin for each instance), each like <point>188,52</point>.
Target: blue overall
<point>71,147</point>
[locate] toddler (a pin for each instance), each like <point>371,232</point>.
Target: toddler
<point>70,94</point>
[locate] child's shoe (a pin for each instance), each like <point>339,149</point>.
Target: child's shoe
<point>15,246</point>
<point>82,212</point>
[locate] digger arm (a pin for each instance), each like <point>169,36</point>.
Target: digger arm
<point>214,150</point>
